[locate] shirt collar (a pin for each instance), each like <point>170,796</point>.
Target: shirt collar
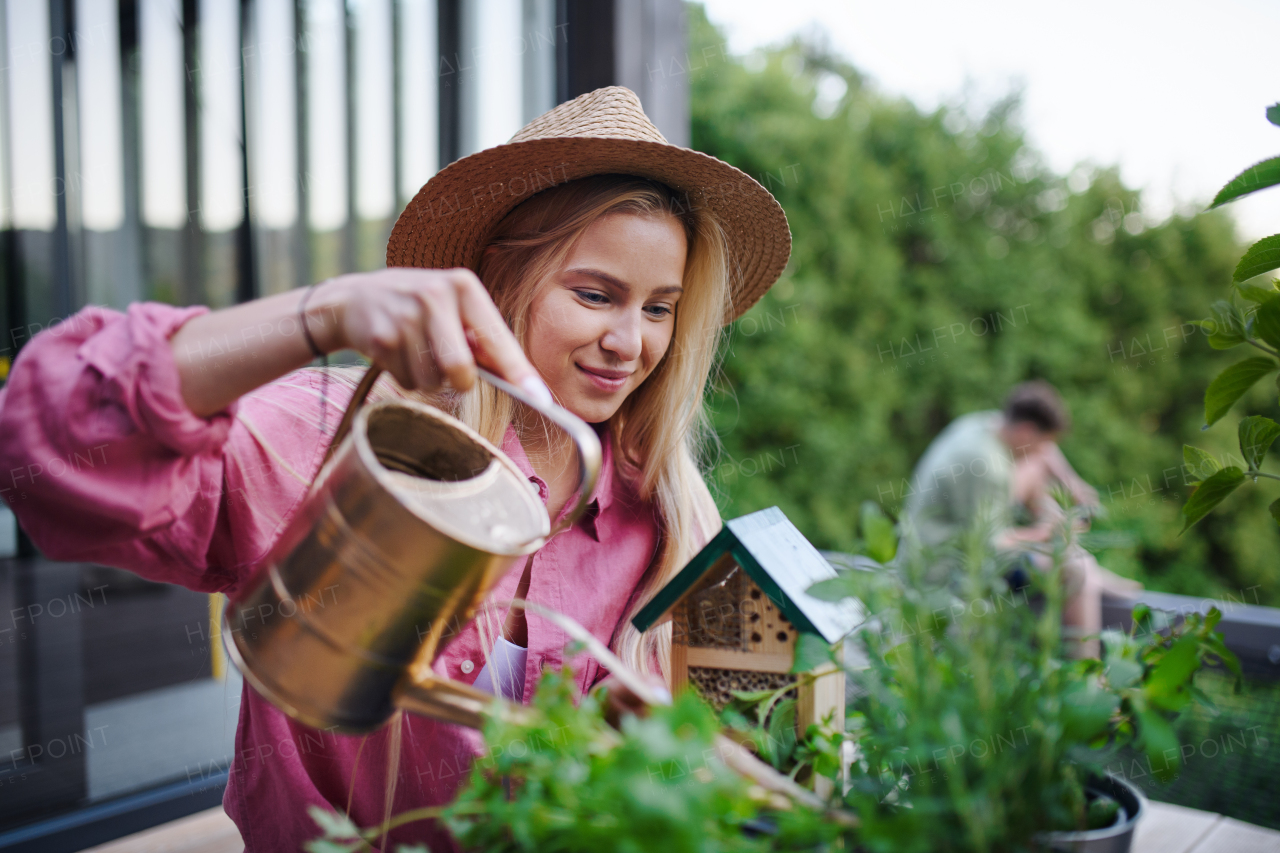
<point>601,495</point>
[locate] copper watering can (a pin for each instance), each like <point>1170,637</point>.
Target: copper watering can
<point>411,521</point>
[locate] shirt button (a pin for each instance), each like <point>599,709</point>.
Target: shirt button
<point>467,666</point>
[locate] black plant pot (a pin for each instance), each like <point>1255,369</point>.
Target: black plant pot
<point>1116,838</point>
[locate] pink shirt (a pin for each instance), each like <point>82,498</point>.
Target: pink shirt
<point>102,462</point>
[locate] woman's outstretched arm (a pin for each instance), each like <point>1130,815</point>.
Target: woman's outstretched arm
<point>132,439</point>
<point>425,327</point>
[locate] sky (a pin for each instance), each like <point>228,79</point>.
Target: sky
<point>1173,92</point>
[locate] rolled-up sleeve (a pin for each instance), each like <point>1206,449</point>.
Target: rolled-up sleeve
<point>102,461</point>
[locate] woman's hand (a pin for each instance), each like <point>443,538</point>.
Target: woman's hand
<point>426,328</point>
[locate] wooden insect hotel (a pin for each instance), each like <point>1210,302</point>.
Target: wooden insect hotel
<point>738,609</point>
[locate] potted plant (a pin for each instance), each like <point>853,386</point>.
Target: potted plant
<point>974,732</point>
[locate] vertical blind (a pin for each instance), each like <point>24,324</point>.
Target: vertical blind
<point>217,149</point>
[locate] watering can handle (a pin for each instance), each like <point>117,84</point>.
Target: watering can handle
<point>583,436</point>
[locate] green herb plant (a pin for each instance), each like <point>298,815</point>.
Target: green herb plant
<point>766,721</point>
<point>1256,323</point>
<point>564,780</point>
<point>974,732</point>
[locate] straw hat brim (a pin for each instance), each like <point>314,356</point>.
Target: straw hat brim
<point>452,218</point>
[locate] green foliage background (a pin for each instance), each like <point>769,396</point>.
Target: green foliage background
<point>906,222</point>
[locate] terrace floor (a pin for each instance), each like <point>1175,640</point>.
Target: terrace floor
<point>1177,829</point>
<point>1165,829</point>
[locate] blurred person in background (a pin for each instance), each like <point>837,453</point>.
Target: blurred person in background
<point>1001,469</point>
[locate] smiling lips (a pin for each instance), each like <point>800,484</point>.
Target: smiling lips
<point>604,379</point>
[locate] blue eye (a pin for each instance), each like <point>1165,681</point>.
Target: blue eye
<point>592,296</point>
<point>658,311</point>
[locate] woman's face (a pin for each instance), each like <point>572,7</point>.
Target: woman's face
<point>603,321</point>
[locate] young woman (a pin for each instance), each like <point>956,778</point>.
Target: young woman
<point>605,263</point>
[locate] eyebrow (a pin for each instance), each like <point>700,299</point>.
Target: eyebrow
<point>619,283</point>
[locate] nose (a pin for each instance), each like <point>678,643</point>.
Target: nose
<point>623,338</point>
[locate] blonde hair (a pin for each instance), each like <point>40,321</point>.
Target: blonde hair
<point>661,430</point>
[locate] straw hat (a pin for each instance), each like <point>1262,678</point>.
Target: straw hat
<point>450,220</point>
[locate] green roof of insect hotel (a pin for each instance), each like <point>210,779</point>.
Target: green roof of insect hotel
<point>777,557</point>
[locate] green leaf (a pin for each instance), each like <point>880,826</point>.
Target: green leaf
<point>752,695</point>
<point>1273,114</point>
<point>1256,293</point>
<point>1102,812</point>
<point>1257,434</point>
<point>1086,711</point>
<point>1167,682</point>
<point>1214,645</point>
<point>1266,323</point>
<point>1209,494</point>
<point>1275,510</point>
<point>1203,699</point>
<point>1118,645</point>
<point>1122,673</point>
<point>1159,743</point>
<point>1230,385</point>
<point>877,532</point>
<point>334,824</point>
<point>811,652</point>
<point>781,733</point>
<point>1199,463</point>
<point>1259,176</point>
<point>1226,329</point>
<point>1262,256</point>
